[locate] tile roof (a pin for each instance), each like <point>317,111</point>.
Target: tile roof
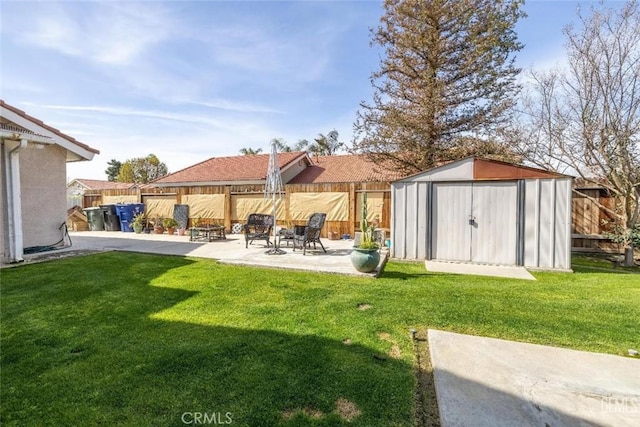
<point>49,128</point>
<point>230,169</point>
<point>96,184</point>
<point>344,168</point>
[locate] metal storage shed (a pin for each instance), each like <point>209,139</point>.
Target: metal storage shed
<point>483,211</point>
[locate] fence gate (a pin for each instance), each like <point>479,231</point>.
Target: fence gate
<point>475,221</point>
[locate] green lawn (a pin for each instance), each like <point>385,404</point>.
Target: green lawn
<point>133,339</point>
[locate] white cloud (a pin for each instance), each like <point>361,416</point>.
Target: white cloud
<point>110,33</point>
<point>192,118</point>
<point>244,107</point>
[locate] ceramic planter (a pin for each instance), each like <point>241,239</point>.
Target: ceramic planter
<point>365,260</point>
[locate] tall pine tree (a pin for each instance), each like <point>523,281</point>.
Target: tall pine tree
<point>447,76</point>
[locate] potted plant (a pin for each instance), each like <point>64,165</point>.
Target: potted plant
<point>157,226</point>
<point>138,223</point>
<point>170,224</point>
<point>365,256</point>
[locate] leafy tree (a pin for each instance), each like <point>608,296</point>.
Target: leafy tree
<point>281,145</point>
<point>126,173</point>
<point>585,120</point>
<point>322,145</point>
<point>448,72</point>
<point>326,145</point>
<point>142,169</point>
<point>301,145</point>
<point>113,170</point>
<point>250,151</point>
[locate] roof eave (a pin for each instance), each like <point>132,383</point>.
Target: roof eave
<point>75,152</point>
<point>30,137</point>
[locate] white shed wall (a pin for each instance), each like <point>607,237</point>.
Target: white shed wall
<point>547,217</point>
<point>409,220</point>
<point>457,171</point>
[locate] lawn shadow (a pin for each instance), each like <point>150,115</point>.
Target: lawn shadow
<point>86,351</point>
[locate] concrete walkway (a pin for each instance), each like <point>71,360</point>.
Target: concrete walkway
<point>491,382</point>
<point>511,272</point>
<point>230,251</point>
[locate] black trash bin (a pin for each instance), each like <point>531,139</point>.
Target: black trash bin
<point>111,220</point>
<point>95,219</point>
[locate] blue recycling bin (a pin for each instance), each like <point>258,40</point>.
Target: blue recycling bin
<point>126,212</point>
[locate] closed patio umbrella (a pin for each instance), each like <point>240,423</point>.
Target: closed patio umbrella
<point>273,189</point>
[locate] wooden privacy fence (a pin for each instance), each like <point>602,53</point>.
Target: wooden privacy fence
<point>590,223</point>
<point>229,204</point>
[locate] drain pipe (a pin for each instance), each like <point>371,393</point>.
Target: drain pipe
<point>14,204</point>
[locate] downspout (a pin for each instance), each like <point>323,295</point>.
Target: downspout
<point>14,204</point>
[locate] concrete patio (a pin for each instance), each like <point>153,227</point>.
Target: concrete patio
<point>491,382</point>
<point>230,251</point>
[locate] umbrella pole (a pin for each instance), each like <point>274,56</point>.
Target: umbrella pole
<point>276,249</point>
<point>273,184</point>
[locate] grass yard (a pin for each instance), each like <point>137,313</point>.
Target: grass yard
<point>134,339</point>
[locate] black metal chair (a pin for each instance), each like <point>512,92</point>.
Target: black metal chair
<point>304,236</point>
<point>258,227</point>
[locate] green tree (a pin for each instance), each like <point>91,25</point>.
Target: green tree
<point>113,170</point>
<point>282,145</point>
<point>126,173</point>
<point>301,145</point>
<point>142,169</point>
<point>250,151</point>
<point>448,72</point>
<point>323,145</point>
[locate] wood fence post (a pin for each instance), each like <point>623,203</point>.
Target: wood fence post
<point>352,209</point>
<point>227,207</point>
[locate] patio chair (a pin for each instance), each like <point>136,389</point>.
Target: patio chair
<point>258,227</point>
<point>304,236</point>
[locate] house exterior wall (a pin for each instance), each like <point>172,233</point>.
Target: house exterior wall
<point>75,194</point>
<point>43,188</point>
<point>293,171</point>
<point>4,238</point>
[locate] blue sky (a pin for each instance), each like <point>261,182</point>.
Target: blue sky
<point>192,80</point>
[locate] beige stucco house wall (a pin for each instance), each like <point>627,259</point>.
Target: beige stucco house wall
<point>44,195</point>
<point>4,244</point>
<point>33,181</point>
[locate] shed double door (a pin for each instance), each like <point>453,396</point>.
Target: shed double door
<point>475,221</point>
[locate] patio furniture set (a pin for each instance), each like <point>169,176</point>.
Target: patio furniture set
<point>207,232</point>
<point>260,227</point>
